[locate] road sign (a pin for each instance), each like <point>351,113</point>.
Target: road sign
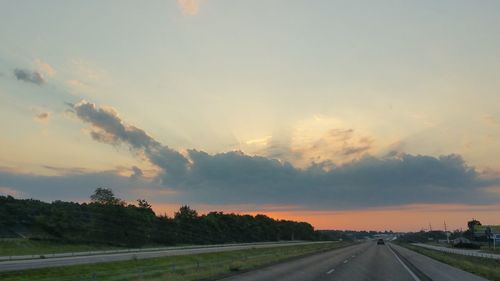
<point>496,239</point>
<point>485,230</point>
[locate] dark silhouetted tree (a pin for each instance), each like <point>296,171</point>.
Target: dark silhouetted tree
<point>109,220</point>
<point>105,196</point>
<point>472,224</point>
<point>143,204</point>
<point>185,213</point>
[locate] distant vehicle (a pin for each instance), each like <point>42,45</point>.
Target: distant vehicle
<point>380,242</point>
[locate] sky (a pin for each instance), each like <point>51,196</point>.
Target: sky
<point>345,114</point>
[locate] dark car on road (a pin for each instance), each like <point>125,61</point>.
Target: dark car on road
<point>380,242</point>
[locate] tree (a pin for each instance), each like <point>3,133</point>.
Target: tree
<point>143,204</point>
<point>472,224</point>
<point>105,196</point>
<point>110,221</point>
<point>188,226</point>
<point>185,213</point>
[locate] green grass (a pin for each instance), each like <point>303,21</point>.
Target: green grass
<point>19,246</point>
<point>439,244</point>
<point>485,249</point>
<point>174,268</point>
<point>488,268</point>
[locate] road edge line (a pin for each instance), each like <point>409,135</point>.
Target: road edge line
<point>415,277</point>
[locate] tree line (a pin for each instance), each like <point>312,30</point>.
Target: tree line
<point>109,220</point>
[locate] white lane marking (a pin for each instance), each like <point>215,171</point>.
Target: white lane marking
<point>353,256</point>
<point>404,265</point>
<point>330,271</point>
<point>346,261</point>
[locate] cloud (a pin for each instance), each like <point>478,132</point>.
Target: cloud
<point>107,127</point>
<point>370,181</point>
<point>338,145</point>
<point>189,7</point>
<point>351,150</point>
<point>72,185</point>
<point>44,68</point>
<point>6,191</point>
<point>136,173</point>
<point>29,76</point>
<point>42,116</point>
<point>244,179</point>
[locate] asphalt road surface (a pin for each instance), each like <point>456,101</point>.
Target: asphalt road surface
<point>367,261</point>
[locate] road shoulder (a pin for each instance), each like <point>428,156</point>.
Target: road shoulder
<point>433,269</point>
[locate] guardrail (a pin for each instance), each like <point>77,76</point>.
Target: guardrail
<point>470,253</point>
<point>138,250</point>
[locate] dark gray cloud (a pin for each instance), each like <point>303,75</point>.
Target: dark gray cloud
<point>107,127</point>
<point>29,76</point>
<point>367,182</point>
<point>136,173</point>
<point>73,184</point>
<point>235,177</point>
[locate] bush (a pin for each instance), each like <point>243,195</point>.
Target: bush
<point>465,245</point>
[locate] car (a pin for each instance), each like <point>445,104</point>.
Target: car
<point>380,242</point>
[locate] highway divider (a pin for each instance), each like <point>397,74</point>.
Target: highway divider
<point>139,250</point>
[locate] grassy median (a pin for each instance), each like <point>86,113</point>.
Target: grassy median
<point>20,246</point>
<point>190,267</point>
<point>487,268</point>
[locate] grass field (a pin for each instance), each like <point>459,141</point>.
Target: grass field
<point>19,246</point>
<point>486,249</point>
<point>174,268</point>
<point>488,268</point>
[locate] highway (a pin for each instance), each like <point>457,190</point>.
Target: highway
<point>359,262</point>
<point>11,265</point>
<point>366,261</point>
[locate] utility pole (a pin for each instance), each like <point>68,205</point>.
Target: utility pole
<point>447,233</point>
